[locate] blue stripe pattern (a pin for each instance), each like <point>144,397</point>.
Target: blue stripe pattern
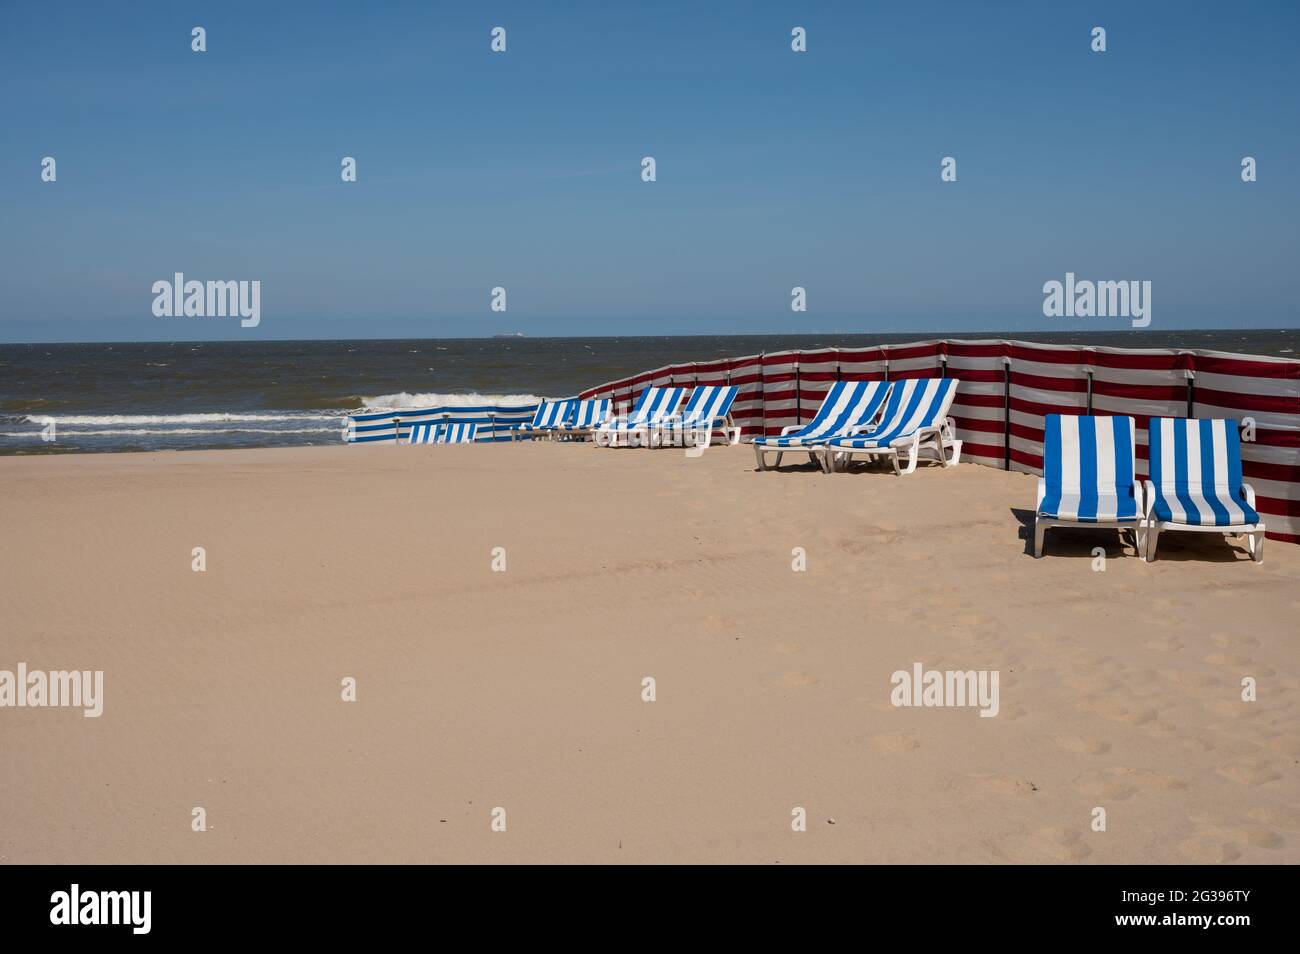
<point>494,422</point>
<point>708,405</point>
<point>1196,472</point>
<point>847,404</point>
<point>652,407</point>
<point>1088,469</point>
<point>914,404</point>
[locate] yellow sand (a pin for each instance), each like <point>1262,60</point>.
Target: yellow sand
<point>523,689</point>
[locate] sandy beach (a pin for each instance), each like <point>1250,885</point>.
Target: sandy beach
<point>522,689</point>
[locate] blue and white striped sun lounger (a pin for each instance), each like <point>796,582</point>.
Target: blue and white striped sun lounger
<point>549,417</point>
<point>1196,482</point>
<point>915,420</point>
<point>653,407</point>
<point>440,433</point>
<point>1088,476</point>
<point>847,405</point>
<point>588,415</point>
<point>708,409</point>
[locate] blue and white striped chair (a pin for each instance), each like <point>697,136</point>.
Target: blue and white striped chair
<point>653,407</point>
<point>588,415</point>
<point>549,417</point>
<point>433,432</point>
<point>1088,476</point>
<point>1196,482</point>
<point>847,405</point>
<point>915,420</point>
<point>708,409</point>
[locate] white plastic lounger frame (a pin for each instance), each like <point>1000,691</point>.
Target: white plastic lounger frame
<point>653,407</point>
<point>1088,476</point>
<point>708,409</point>
<point>915,421</point>
<point>1196,483</point>
<point>847,405</point>
<point>549,417</point>
<point>588,415</point>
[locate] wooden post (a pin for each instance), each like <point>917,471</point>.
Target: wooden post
<point>1006,412</point>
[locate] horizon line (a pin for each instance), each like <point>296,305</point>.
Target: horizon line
<point>920,335</point>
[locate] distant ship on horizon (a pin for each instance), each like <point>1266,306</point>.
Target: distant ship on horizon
<point>511,334</point>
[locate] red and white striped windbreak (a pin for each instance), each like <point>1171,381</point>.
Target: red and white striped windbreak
<point>1008,387</point>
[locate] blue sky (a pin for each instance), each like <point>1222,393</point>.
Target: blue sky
<point>522,169</point>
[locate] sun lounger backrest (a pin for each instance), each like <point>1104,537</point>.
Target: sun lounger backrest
<point>591,413</point>
<point>847,404</point>
<point>915,403</point>
<point>709,403</point>
<point>1087,456</point>
<point>660,405</point>
<point>1195,465</point>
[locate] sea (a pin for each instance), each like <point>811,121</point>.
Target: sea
<point>159,396</point>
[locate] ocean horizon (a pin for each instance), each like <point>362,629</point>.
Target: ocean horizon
<point>148,396</point>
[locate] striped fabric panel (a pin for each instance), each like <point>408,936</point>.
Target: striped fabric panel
<point>588,413</point>
<point>1196,469</point>
<point>708,404</point>
<point>423,434</point>
<point>652,407</point>
<point>550,415</point>
<point>913,404</point>
<point>847,404</point>
<point>456,433</point>
<point>495,422</point>
<point>1088,468</point>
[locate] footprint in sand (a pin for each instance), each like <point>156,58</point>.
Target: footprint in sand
<point>1229,659</point>
<point>1287,744</point>
<point>1116,711</point>
<point>1164,644</point>
<point>1058,843</point>
<point>1082,745</point>
<point>1209,848</point>
<point>1092,683</point>
<point>1229,709</point>
<point>895,743</point>
<point>1228,639</point>
<point>1263,838</point>
<point>1249,772</point>
<point>1190,680</point>
<point>797,680</point>
<point>1119,783</point>
<point>994,785</point>
<point>1286,817</point>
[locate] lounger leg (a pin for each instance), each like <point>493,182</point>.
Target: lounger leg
<point>778,459</point>
<point>760,456</point>
<point>1040,528</point>
<point>913,450</point>
<point>1256,545</point>
<point>1153,534</point>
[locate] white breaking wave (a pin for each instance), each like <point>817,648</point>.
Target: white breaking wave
<point>404,400</point>
<point>92,420</point>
